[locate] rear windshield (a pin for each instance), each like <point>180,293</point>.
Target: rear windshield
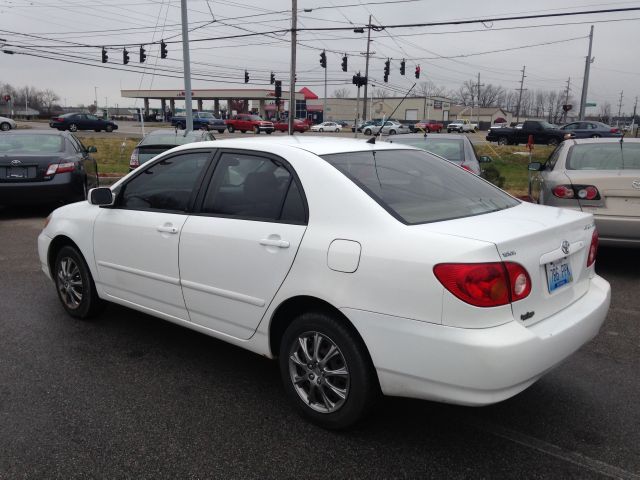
<point>416,187</point>
<point>450,148</point>
<point>604,156</point>
<point>171,138</point>
<point>36,144</point>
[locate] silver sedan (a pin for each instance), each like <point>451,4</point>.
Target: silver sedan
<point>599,176</point>
<point>7,124</point>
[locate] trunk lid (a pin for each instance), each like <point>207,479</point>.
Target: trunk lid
<point>533,236</point>
<point>618,195</point>
<point>16,167</point>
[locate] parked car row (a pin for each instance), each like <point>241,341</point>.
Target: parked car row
<point>7,124</point>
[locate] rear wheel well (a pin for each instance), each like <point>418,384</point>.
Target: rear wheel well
<point>289,310</point>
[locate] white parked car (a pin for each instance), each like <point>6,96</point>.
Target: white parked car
<point>7,124</point>
<point>364,268</point>
<point>390,128</point>
<point>462,126</point>
<point>326,127</point>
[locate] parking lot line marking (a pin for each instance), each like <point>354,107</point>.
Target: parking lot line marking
<point>576,458</point>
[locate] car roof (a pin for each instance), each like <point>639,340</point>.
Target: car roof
<point>316,145</point>
<point>431,136</point>
<point>39,132</point>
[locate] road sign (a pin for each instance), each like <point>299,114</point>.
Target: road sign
<point>590,104</point>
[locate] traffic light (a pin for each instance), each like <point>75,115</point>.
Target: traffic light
<point>278,88</point>
<point>125,56</point>
<point>143,55</point>
<point>273,78</point>
<point>105,57</point>
<point>323,59</point>
<point>387,69</point>
<point>344,63</point>
<point>402,65</point>
<point>246,77</point>
<point>163,49</point>
<point>359,80</point>
<point>417,71</point>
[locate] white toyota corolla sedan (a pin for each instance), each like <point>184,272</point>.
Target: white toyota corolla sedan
<point>364,268</point>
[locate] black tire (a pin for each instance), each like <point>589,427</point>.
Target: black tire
<point>96,130</point>
<point>74,284</point>
<point>73,127</point>
<point>392,132</point>
<point>231,129</point>
<point>242,131</point>
<point>359,386</point>
<point>503,141</point>
<point>181,126</point>
<point>269,132</point>
<point>256,130</point>
<point>367,131</point>
<point>553,142</point>
<point>5,127</point>
<point>220,131</point>
<point>321,129</point>
<point>595,135</point>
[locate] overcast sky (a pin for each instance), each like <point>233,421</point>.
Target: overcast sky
<point>221,63</point>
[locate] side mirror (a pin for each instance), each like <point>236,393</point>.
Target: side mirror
<point>102,196</point>
<point>484,159</point>
<point>92,149</point>
<point>534,167</point>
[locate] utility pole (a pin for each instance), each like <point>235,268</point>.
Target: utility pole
<point>479,85</point>
<point>366,73</point>
<point>186,61</point>
<point>566,98</point>
<point>292,73</point>
<point>520,96</point>
<point>633,120</point>
<point>585,81</point>
<point>619,107</point>
<point>324,102</point>
<point>95,92</point>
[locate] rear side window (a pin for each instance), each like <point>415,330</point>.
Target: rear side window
<point>604,156</point>
<point>416,187</point>
<point>254,187</point>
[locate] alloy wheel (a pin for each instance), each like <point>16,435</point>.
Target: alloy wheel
<point>319,372</point>
<point>69,283</point>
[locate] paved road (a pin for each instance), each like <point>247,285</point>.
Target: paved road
<point>128,395</point>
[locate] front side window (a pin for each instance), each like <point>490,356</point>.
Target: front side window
<point>166,185</point>
<point>416,187</point>
<point>253,187</point>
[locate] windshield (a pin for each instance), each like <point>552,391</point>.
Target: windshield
<point>36,144</point>
<point>416,187</point>
<point>547,125</point>
<point>450,148</point>
<point>206,115</point>
<point>604,156</point>
<point>255,118</point>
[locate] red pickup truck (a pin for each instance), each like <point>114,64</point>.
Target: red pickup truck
<point>248,122</point>
<point>428,126</point>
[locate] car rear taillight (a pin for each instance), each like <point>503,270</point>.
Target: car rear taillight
<point>485,284</point>
<point>593,249</point>
<point>134,161</point>
<point>60,168</point>
<point>466,167</point>
<point>614,130</point>
<point>582,192</point>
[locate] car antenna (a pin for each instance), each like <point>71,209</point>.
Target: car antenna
<point>391,116</point>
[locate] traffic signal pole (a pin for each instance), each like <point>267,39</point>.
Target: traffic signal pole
<point>187,66</point>
<point>292,73</point>
<point>366,74</point>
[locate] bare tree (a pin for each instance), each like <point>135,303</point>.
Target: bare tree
<point>491,95</point>
<point>380,93</point>
<point>430,89</point>
<point>49,97</point>
<point>605,112</point>
<point>342,93</point>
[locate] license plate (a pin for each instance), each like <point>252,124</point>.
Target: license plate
<point>17,172</point>
<point>558,274</point>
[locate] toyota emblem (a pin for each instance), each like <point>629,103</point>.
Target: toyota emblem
<point>636,184</point>
<point>15,162</point>
<point>565,247</point>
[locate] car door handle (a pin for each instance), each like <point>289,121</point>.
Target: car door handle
<point>272,242</point>
<point>167,229</point>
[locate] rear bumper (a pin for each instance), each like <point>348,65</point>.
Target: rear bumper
<point>476,366</point>
<point>63,187</point>
<point>618,230</point>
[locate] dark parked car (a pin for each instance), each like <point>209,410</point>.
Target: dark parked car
<point>590,130</point>
<point>542,132</point>
<point>161,140</point>
<point>38,167</point>
<point>455,148</point>
<point>81,121</point>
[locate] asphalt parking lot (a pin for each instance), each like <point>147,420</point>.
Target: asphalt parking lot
<point>128,395</point>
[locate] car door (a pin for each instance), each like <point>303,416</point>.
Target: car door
<point>540,187</point>
<point>237,250</point>
<point>136,241</point>
<point>89,164</point>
